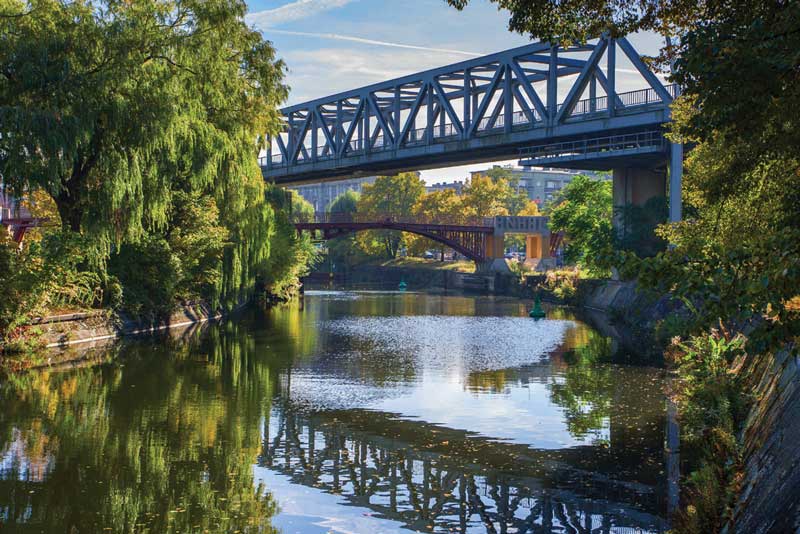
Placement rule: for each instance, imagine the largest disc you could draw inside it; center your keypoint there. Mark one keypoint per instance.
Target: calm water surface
(346, 413)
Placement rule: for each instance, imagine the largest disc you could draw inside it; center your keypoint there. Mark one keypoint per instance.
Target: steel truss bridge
(488, 108)
(466, 235)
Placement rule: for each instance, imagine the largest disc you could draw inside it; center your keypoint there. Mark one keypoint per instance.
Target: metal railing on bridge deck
(613, 143)
(625, 101)
(388, 218)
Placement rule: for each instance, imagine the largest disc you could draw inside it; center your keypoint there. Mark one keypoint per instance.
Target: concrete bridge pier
(634, 186)
(537, 243)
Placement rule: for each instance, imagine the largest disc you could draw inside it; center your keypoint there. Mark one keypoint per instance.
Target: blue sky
(335, 45)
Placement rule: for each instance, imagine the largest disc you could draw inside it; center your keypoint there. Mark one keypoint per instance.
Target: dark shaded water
(351, 413)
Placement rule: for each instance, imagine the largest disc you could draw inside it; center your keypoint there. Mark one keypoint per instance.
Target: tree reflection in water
(163, 441)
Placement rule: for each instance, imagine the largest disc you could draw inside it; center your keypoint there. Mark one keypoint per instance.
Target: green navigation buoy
(402, 285)
(537, 312)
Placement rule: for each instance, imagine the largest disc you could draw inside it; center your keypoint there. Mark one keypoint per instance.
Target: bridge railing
(366, 218)
(628, 100)
(649, 139)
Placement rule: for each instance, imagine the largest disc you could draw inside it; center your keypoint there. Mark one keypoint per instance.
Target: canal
(348, 412)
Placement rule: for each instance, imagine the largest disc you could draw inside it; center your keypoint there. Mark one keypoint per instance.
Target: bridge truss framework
(477, 110)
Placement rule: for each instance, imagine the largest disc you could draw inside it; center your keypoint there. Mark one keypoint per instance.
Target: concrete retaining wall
(769, 501)
(388, 278)
(78, 328)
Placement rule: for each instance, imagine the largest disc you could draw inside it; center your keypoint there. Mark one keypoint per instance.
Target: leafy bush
(748, 283)
(711, 406)
(62, 271)
(583, 212)
(562, 284)
(150, 275)
(290, 257)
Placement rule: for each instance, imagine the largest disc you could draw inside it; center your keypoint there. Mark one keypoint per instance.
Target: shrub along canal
(351, 412)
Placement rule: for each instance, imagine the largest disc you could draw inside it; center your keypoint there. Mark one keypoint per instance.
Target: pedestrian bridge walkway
(478, 238)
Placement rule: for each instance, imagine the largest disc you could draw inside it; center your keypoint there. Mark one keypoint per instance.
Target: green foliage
(672, 326)
(581, 20)
(707, 393)
(291, 257)
(105, 105)
(347, 202)
(388, 195)
(302, 210)
(149, 272)
(485, 197)
(62, 271)
(562, 283)
(344, 251)
(638, 226)
(142, 121)
(583, 213)
(444, 206)
(710, 405)
(197, 241)
(750, 285)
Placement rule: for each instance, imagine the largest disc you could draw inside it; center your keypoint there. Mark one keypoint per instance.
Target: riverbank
(68, 338)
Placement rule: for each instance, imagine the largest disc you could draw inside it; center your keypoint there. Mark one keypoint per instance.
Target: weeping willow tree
(121, 111)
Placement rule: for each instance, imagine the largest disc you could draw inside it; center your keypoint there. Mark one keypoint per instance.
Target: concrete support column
(675, 182)
(494, 246)
(635, 186)
(536, 248)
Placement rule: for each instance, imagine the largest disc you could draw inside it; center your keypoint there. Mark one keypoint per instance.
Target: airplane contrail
(340, 37)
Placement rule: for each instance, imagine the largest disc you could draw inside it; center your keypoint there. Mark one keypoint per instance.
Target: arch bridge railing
(324, 218)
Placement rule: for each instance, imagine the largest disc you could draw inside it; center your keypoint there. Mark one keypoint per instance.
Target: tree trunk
(69, 209)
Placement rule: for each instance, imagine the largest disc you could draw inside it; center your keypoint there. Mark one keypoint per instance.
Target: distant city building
(10, 207)
(457, 186)
(541, 184)
(321, 195)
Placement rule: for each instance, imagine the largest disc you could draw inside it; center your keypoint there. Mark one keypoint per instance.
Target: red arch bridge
(478, 238)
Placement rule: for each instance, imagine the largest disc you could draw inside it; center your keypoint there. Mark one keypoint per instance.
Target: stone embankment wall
(388, 278)
(633, 318)
(79, 337)
(77, 328)
(769, 498)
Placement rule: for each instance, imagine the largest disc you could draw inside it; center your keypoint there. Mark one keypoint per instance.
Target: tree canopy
(142, 121)
(112, 106)
(396, 195)
(485, 197)
(583, 213)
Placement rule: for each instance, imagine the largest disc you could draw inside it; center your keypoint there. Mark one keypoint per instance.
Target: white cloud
(361, 40)
(299, 9)
(316, 73)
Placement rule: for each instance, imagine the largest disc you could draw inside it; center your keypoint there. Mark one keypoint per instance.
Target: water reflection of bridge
(436, 479)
